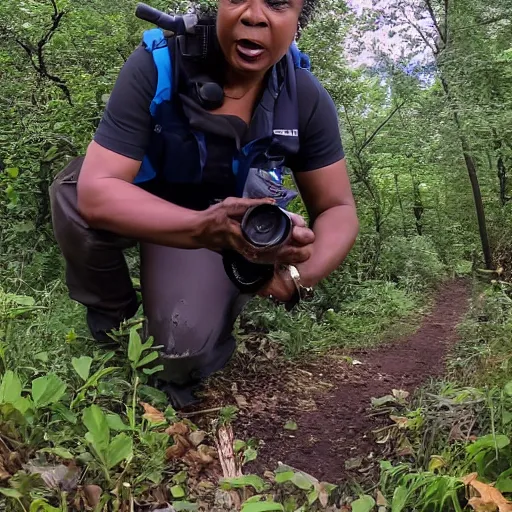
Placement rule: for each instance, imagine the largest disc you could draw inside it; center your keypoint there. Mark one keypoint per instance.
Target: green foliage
(413, 262)
(361, 317)
(457, 427)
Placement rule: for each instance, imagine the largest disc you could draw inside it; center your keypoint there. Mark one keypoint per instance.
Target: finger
(291, 255)
(297, 220)
(236, 207)
(242, 246)
(302, 236)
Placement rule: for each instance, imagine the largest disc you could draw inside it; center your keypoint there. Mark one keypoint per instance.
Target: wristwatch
(301, 292)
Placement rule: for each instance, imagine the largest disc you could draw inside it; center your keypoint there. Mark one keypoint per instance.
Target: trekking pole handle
(160, 19)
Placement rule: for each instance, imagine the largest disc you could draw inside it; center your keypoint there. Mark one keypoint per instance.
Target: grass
(367, 314)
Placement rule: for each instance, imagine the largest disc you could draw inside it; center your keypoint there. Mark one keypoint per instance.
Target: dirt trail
(330, 400)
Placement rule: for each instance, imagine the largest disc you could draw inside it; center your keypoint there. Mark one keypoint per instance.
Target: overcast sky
(360, 48)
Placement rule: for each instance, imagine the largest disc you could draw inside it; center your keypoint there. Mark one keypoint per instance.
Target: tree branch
(379, 128)
(434, 19)
(433, 47)
(55, 10)
(36, 54)
(482, 23)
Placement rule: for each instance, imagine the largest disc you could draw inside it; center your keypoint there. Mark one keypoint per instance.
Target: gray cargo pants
(189, 302)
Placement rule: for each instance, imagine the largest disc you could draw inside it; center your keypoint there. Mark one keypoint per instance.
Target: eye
(277, 4)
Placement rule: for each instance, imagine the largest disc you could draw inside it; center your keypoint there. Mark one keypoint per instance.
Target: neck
(234, 80)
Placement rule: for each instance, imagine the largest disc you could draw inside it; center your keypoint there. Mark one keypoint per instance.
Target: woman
(184, 225)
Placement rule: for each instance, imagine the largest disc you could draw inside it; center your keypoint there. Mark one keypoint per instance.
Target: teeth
(250, 52)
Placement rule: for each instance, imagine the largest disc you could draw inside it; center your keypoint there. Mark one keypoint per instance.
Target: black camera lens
(266, 225)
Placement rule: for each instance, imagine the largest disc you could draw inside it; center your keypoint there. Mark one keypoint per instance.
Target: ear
(298, 33)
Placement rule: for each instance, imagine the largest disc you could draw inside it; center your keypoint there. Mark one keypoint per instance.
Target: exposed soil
(330, 398)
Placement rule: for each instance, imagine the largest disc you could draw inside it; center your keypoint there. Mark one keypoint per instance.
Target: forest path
(330, 398)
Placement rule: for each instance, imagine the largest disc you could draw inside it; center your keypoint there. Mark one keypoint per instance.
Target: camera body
(264, 226)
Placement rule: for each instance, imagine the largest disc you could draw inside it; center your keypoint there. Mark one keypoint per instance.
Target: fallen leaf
(177, 428)
(182, 440)
(489, 496)
(177, 491)
(381, 500)
(56, 477)
(194, 457)
(378, 402)
(210, 451)
(354, 463)
(404, 448)
(401, 421)
(92, 494)
(203, 456)
(323, 495)
(480, 505)
(400, 394)
(291, 425)
(178, 449)
(151, 414)
(197, 437)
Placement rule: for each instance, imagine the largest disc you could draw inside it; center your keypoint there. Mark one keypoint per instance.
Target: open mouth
(248, 49)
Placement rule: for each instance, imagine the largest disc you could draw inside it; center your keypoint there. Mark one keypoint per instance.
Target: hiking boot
(180, 397)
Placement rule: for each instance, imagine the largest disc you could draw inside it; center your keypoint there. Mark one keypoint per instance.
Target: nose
(254, 15)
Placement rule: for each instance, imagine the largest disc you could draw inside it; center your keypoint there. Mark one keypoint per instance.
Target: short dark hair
(308, 11)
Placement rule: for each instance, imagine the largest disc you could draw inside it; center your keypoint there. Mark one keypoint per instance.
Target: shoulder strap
(156, 44)
(300, 59)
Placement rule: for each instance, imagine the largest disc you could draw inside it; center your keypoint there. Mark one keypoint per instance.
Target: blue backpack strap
(156, 44)
(300, 60)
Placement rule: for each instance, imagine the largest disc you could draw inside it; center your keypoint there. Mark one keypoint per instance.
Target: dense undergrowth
(77, 425)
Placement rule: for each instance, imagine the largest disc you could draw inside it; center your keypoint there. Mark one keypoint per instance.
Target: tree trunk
(401, 205)
(473, 178)
(418, 208)
(502, 169)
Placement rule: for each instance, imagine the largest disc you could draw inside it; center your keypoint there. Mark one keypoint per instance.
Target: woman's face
(255, 34)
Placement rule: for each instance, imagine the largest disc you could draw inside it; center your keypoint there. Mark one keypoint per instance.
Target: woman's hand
(281, 288)
(220, 226)
(300, 246)
(221, 230)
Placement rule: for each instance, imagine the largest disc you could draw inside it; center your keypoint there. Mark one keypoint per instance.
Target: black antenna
(176, 24)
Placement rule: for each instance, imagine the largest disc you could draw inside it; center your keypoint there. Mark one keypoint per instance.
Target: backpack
(156, 43)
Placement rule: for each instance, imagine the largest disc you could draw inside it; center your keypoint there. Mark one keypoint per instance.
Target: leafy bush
(360, 316)
(412, 262)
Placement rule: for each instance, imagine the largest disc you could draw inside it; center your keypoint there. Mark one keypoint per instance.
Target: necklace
(236, 97)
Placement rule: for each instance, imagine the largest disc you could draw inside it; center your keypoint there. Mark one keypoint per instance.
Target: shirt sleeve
(125, 127)
(319, 132)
